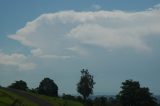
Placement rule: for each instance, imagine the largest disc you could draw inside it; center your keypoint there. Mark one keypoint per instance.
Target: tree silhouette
(21, 85)
(133, 95)
(48, 87)
(86, 83)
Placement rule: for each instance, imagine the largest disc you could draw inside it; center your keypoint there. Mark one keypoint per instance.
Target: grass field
(58, 101)
(8, 98)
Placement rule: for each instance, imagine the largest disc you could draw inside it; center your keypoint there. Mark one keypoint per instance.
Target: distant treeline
(131, 94)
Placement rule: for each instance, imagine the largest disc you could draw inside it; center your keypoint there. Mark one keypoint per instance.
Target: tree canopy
(21, 85)
(134, 95)
(86, 84)
(48, 87)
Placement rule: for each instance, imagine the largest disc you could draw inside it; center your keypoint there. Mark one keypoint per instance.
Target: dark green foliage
(21, 85)
(79, 98)
(100, 101)
(69, 97)
(104, 101)
(48, 87)
(88, 102)
(134, 95)
(86, 83)
(33, 90)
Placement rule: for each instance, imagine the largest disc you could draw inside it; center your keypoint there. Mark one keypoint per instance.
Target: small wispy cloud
(96, 7)
(39, 53)
(78, 50)
(15, 59)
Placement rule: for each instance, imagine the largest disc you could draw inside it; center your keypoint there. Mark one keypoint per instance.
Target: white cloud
(36, 52)
(39, 53)
(63, 34)
(107, 38)
(18, 60)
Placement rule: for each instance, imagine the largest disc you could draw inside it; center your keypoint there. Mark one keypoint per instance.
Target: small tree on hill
(48, 87)
(86, 83)
(133, 95)
(21, 85)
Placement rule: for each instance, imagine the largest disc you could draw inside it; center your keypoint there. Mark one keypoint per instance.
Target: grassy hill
(7, 98)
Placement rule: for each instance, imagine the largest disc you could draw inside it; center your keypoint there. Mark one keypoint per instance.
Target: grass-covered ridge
(8, 98)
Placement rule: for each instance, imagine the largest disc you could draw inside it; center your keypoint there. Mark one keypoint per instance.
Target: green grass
(7, 98)
(56, 101)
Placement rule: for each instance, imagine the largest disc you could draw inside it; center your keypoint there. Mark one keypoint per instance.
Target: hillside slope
(9, 96)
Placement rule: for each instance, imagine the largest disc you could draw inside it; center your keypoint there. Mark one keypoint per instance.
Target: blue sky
(114, 40)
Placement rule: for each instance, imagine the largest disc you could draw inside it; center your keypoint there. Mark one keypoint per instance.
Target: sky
(115, 40)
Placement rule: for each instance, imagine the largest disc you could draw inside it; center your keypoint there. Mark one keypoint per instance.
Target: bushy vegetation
(132, 94)
(21, 85)
(48, 87)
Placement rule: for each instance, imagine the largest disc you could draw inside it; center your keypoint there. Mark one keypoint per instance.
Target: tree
(134, 95)
(86, 83)
(48, 87)
(21, 85)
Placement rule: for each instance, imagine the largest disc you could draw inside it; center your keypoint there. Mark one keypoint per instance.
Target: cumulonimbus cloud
(55, 33)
